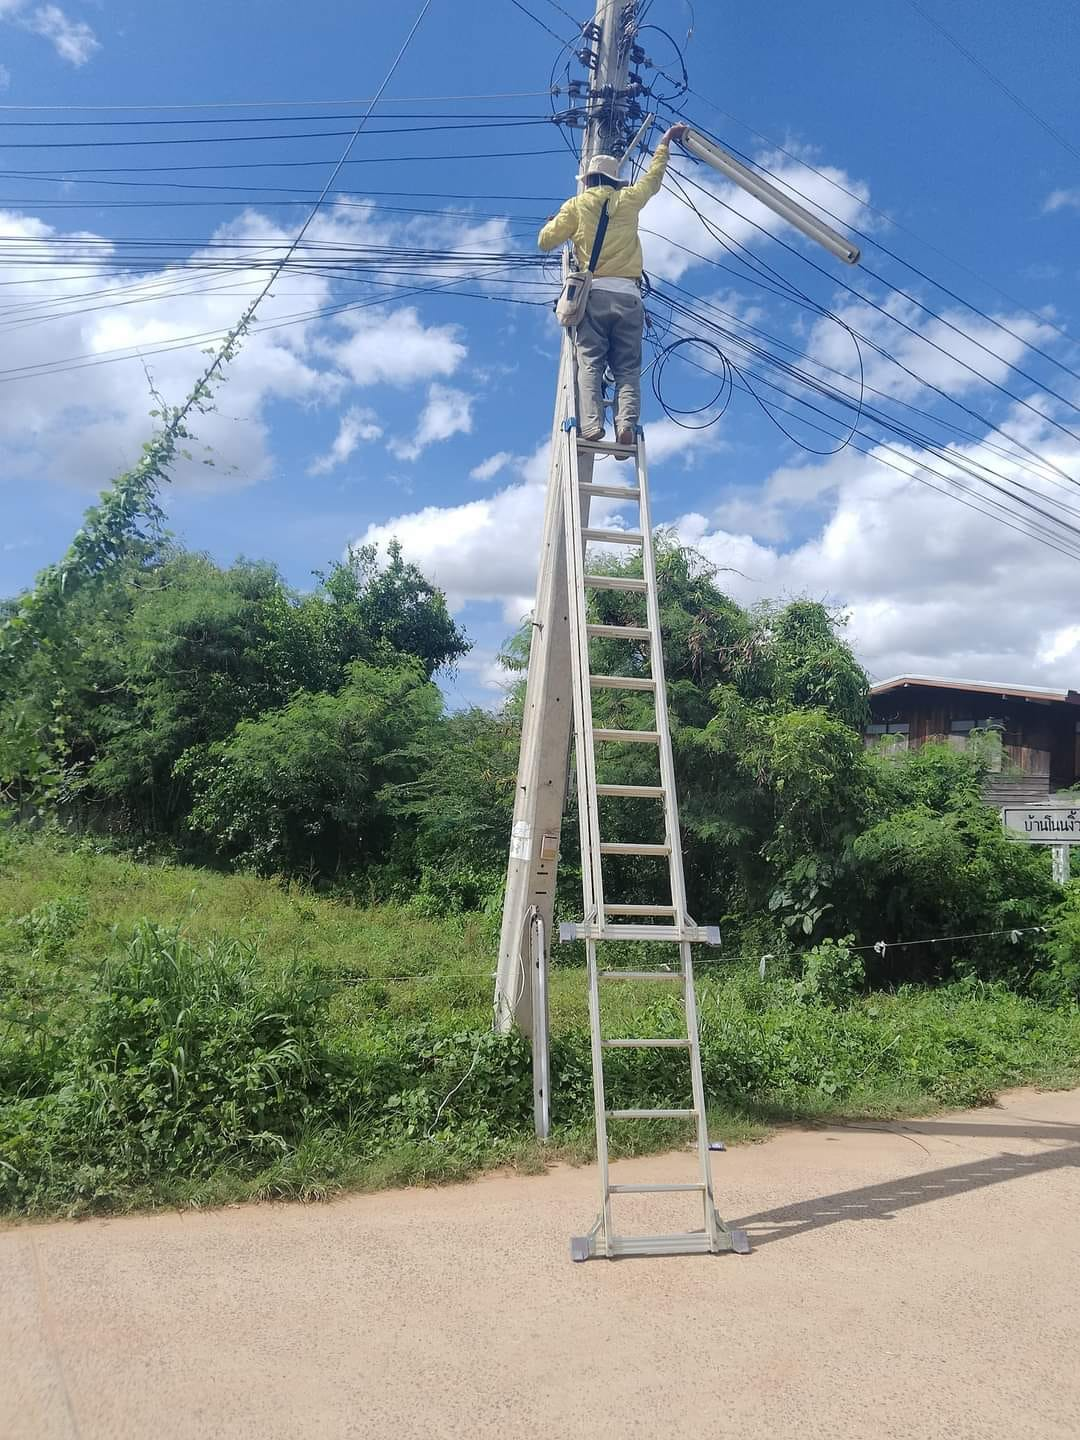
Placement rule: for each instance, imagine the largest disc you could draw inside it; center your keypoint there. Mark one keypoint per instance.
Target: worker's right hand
(676, 132)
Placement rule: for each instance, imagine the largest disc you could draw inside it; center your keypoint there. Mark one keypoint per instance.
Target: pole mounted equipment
(717, 158)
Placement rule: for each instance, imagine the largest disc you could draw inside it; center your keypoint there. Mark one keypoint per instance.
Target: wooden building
(1033, 734)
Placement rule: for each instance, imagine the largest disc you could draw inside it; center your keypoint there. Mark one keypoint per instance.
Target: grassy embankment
(175, 1036)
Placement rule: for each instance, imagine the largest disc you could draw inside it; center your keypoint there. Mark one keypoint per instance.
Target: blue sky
(426, 418)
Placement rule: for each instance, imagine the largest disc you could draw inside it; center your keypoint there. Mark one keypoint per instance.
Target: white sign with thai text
(1044, 824)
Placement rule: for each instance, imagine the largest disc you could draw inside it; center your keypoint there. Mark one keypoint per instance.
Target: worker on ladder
(609, 333)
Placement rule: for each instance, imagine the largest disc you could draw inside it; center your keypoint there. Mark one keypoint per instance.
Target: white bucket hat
(606, 165)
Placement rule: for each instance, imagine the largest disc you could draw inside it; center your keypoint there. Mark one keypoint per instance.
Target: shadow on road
(881, 1202)
(1035, 1130)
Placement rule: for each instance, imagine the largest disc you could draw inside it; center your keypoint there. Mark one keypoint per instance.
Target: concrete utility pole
(545, 738)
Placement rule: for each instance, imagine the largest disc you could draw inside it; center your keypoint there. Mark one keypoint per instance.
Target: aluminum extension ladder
(605, 921)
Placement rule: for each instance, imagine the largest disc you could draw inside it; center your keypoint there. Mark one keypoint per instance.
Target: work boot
(625, 436)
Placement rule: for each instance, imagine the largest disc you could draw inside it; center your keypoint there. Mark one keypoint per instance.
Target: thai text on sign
(1044, 824)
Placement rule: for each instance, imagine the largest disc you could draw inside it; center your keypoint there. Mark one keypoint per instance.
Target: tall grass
(251, 1039)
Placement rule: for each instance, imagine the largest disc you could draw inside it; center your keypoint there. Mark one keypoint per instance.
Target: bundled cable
(686, 416)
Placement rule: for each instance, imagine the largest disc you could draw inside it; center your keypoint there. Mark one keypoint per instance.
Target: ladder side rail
(588, 805)
(588, 809)
(678, 883)
(656, 662)
(599, 1099)
(697, 1086)
(539, 796)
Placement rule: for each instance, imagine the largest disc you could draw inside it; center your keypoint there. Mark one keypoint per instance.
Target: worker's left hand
(677, 132)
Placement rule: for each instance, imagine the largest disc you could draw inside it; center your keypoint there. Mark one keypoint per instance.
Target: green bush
(1061, 946)
(319, 785)
(189, 1073)
(48, 929)
(833, 973)
(920, 873)
(182, 1062)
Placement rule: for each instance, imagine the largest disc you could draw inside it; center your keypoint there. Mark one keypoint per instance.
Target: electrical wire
(1044, 530)
(265, 192)
(704, 308)
(562, 11)
(513, 123)
(868, 239)
(224, 350)
(681, 85)
(683, 416)
(983, 473)
(390, 122)
(865, 204)
(321, 264)
(193, 341)
(536, 20)
(66, 173)
(872, 344)
(1019, 101)
(286, 104)
(554, 92)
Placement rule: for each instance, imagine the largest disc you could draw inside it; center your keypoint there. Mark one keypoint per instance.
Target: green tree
(464, 808)
(320, 785)
(172, 651)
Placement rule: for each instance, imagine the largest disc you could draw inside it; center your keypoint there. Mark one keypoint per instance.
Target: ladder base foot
(581, 1247)
(595, 1245)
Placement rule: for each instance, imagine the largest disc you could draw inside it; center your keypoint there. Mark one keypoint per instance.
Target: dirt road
(916, 1282)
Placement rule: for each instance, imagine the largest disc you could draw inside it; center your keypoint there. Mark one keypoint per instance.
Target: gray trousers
(609, 335)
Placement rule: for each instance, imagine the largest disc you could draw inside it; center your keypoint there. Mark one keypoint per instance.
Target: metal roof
(983, 687)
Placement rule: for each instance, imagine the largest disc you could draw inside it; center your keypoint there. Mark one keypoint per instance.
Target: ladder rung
(651, 1114)
(621, 682)
(651, 1189)
(606, 447)
(612, 492)
(662, 934)
(618, 847)
(618, 632)
(639, 909)
(657, 1044)
(616, 582)
(614, 537)
(636, 792)
(629, 737)
(639, 975)
(694, 1242)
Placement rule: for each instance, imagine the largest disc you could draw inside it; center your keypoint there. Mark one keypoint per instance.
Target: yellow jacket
(579, 217)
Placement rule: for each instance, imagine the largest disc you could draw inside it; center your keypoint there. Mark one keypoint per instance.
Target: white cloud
(356, 426)
(481, 550)
(955, 353)
(84, 425)
(73, 40)
(447, 412)
(395, 348)
(492, 466)
(1061, 200)
(929, 586)
(665, 440)
(79, 426)
(487, 671)
(487, 549)
(1061, 645)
